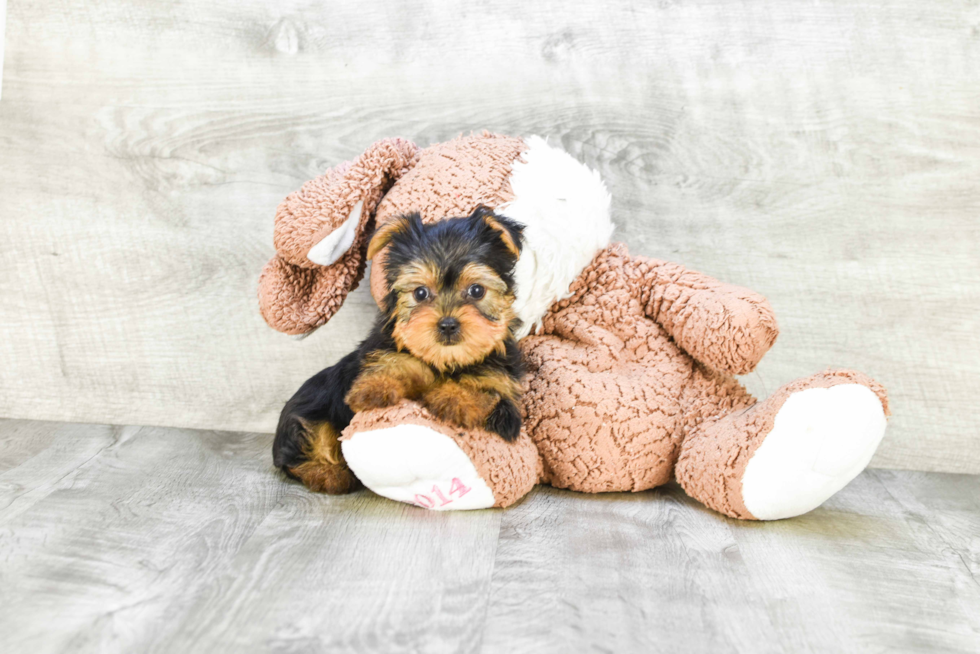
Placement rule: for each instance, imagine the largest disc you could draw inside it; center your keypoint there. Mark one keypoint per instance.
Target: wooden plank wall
(824, 153)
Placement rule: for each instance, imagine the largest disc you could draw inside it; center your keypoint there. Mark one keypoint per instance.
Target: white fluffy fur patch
(564, 206)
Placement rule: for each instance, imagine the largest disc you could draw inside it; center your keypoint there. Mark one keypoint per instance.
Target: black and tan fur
(445, 338)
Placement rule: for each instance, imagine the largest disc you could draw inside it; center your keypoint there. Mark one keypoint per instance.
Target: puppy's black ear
(509, 231)
(391, 229)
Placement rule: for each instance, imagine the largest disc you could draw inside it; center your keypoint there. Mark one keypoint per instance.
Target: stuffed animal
(631, 361)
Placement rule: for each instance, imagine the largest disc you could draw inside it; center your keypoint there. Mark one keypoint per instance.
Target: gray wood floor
(139, 539)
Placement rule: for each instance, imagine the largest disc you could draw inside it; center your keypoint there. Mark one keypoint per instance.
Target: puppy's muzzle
(448, 328)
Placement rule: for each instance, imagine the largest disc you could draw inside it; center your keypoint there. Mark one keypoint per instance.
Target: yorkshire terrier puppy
(445, 338)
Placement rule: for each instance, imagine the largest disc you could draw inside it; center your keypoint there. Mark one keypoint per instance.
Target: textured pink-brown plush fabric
(716, 452)
(509, 469)
(611, 393)
(726, 327)
(450, 179)
(296, 295)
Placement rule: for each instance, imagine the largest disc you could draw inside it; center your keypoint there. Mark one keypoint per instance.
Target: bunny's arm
(726, 327)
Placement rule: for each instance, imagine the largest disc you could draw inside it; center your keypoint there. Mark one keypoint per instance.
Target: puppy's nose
(448, 326)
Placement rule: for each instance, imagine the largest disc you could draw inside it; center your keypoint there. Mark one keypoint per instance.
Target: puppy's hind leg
(319, 464)
(306, 445)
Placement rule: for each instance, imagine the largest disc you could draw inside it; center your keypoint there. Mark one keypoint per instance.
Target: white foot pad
(821, 439)
(417, 465)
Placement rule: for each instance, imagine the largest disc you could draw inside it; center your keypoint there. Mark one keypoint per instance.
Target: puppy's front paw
(374, 392)
(505, 420)
(461, 406)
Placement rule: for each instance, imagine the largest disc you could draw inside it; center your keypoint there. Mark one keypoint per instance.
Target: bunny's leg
(786, 455)
(407, 455)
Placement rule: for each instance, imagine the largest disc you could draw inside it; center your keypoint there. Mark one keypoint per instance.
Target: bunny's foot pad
(417, 465)
(821, 439)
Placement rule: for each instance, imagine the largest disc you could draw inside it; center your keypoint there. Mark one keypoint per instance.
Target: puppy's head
(450, 285)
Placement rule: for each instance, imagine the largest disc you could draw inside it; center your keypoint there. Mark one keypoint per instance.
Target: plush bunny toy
(631, 361)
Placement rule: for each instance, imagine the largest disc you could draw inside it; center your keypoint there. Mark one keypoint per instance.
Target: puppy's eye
(476, 291)
(421, 294)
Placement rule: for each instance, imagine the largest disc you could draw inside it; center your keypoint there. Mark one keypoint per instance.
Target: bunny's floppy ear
(321, 234)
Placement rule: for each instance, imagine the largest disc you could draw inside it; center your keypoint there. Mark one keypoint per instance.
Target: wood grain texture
(872, 570)
(825, 154)
(138, 539)
(3, 32)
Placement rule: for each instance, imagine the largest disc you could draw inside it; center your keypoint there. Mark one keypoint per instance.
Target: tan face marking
(477, 273)
(415, 274)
